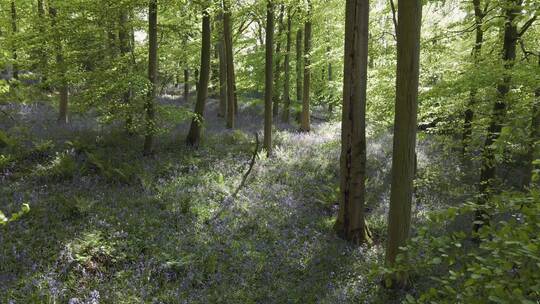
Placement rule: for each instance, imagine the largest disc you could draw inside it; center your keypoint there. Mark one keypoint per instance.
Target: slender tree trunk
(287, 72)
(534, 148)
(268, 86)
(42, 31)
(498, 115)
(299, 69)
(469, 113)
(14, 31)
(152, 75)
(305, 123)
(350, 223)
(124, 46)
(277, 74)
(63, 88)
(404, 156)
(194, 136)
(330, 78)
(222, 73)
(186, 85)
(231, 90)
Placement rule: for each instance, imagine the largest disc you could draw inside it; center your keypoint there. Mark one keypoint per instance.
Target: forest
(269, 151)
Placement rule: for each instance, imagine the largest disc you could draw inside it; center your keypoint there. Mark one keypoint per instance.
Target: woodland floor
(115, 227)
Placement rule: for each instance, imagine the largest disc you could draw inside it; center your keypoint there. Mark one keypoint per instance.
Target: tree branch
(526, 26)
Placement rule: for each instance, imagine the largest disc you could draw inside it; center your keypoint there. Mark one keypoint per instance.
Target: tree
(231, 87)
(152, 75)
(222, 71)
(277, 74)
(299, 56)
(479, 15)
(14, 30)
(350, 223)
(287, 72)
(305, 124)
(268, 88)
(512, 10)
(534, 145)
(62, 68)
(194, 136)
(405, 125)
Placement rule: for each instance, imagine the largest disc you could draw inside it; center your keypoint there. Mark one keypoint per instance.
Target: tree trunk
(14, 31)
(194, 136)
(287, 72)
(231, 90)
(186, 85)
(305, 123)
(277, 73)
(152, 75)
(498, 115)
(404, 156)
(125, 49)
(222, 74)
(330, 79)
(350, 223)
(268, 86)
(534, 148)
(299, 56)
(469, 113)
(43, 59)
(63, 88)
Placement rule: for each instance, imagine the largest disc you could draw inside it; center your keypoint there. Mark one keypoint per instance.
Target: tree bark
(534, 148)
(404, 156)
(498, 115)
(268, 86)
(186, 85)
(305, 123)
(152, 75)
(277, 74)
(350, 223)
(125, 49)
(222, 73)
(231, 90)
(330, 78)
(469, 112)
(42, 31)
(299, 69)
(287, 72)
(14, 30)
(63, 88)
(194, 136)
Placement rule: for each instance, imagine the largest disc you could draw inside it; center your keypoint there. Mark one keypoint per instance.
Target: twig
(7, 114)
(228, 200)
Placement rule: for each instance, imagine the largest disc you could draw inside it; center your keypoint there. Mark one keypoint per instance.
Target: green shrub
(503, 267)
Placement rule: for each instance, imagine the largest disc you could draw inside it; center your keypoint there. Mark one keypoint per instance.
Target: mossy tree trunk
(152, 75)
(287, 73)
(299, 61)
(269, 77)
(405, 126)
(14, 30)
(62, 69)
(229, 55)
(194, 136)
(305, 118)
(277, 74)
(350, 223)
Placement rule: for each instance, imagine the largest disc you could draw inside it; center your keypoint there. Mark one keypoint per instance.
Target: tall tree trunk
(152, 75)
(305, 123)
(63, 88)
(330, 78)
(287, 72)
(469, 113)
(194, 136)
(42, 31)
(534, 148)
(124, 46)
(231, 90)
(268, 85)
(14, 31)
(186, 85)
(222, 73)
(277, 73)
(350, 223)
(405, 125)
(299, 58)
(498, 115)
